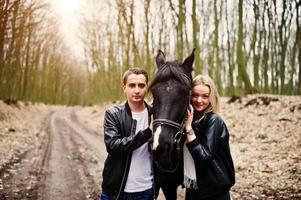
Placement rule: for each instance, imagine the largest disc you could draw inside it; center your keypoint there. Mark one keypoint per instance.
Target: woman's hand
(190, 136)
(189, 118)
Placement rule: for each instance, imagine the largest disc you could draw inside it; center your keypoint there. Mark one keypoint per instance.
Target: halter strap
(178, 137)
(168, 122)
(180, 127)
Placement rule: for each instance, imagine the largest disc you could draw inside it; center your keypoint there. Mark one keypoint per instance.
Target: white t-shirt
(140, 176)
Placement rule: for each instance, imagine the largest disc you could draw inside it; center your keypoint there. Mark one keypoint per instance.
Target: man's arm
(118, 144)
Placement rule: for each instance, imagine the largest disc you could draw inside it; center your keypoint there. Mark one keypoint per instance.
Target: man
(127, 172)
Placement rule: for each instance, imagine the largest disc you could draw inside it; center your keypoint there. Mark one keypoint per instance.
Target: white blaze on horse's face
(156, 137)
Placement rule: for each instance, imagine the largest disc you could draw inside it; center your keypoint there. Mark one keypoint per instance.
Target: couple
(128, 169)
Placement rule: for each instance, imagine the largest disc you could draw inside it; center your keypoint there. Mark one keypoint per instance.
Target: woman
(208, 165)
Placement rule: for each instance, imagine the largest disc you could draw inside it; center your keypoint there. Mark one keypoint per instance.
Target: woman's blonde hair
(214, 98)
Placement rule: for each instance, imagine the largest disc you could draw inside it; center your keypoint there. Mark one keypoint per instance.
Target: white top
(140, 176)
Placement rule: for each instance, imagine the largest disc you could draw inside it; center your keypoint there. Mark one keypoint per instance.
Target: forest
(251, 46)
(55, 87)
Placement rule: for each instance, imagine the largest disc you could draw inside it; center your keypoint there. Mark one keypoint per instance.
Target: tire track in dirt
(19, 178)
(61, 179)
(93, 142)
(16, 184)
(71, 168)
(91, 150)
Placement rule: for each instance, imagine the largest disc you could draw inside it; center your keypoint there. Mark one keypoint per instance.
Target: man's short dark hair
(134, 70)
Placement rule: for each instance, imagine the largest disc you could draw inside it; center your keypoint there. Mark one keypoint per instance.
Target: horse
(171, 90)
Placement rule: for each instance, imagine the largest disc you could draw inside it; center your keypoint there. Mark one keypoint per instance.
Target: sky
(68, 13)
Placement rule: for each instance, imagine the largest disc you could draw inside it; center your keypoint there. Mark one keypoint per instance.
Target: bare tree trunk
(274, 52)
(217, 63)
(239, 52)
(230, 56)
(12, 57)
(135, 51)
(121, 39)
(127, 41)
(195, 37)
(284, 34)
(265, 53)
(180, 28)
(256, 51)
(148, 63)
(283, 45)
(27, 66)
(298, 44)
(4, 13)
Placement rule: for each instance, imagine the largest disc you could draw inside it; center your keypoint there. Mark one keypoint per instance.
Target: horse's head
(171, 89)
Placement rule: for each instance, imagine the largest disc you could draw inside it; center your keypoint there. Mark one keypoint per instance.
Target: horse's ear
(160, 58)
(189, 61)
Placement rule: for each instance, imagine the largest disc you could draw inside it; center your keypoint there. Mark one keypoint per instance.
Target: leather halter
(180, 127)
(178, 137)
(171, 123)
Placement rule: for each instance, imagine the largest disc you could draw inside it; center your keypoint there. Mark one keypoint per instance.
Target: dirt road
(57, 152)
(65, 165)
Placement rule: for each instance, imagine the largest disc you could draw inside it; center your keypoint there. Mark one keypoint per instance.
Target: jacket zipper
(127, 165)
(123, 178)
(150, 118)
(154, 183)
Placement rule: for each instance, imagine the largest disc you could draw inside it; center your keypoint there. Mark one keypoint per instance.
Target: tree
(241, 62)
(298, 44)
(216, 53)
(195, 37)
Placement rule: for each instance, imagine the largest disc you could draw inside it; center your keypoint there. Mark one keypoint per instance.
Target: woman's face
(200, 97)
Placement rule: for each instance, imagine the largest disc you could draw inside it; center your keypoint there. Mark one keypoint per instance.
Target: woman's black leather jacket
(120, 140)
(211, 154)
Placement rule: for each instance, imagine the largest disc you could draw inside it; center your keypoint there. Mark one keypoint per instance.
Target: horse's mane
(172, 70)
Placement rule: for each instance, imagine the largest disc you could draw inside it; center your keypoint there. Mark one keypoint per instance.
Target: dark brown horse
(171, 90)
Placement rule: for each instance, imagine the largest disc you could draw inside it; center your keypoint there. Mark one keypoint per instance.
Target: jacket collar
(128, 109)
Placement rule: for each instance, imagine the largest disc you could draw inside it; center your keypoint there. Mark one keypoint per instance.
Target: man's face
(135, 88)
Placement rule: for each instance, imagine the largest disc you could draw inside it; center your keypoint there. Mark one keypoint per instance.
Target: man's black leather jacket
(120, 140)
(211, 154)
